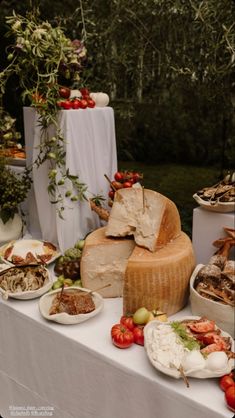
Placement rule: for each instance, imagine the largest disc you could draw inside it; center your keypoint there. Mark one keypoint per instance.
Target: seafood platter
(219, 197)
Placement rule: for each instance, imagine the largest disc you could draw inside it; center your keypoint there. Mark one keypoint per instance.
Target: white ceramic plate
(222, 314)
(216, 207)
(173, 372)
(45, 303)
(4, 265)
(29, 294)
(23, 246)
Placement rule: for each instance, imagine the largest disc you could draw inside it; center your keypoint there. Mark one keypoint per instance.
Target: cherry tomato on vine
(90, 102)
(64, 92)
(76, 104)
(111, 194)
(67, 104)
(84, 92)
(83, 104)
(118, 176)
(127, 184)
(122, 337)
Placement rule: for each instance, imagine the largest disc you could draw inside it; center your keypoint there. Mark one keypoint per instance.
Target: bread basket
(223, 315)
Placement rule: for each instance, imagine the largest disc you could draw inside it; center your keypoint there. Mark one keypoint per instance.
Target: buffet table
(90, 153)
(74, 371)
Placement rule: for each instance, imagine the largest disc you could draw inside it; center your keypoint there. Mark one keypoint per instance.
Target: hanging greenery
(39, 56)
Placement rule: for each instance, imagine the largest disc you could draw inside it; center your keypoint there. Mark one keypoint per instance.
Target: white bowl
(29, 294)
(45, 303)
(215, 207)
(173, 372)
(223, 315)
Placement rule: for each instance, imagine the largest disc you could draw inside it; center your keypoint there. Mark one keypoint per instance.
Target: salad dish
(193, 347)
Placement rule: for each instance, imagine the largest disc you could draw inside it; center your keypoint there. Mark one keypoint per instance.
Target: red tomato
(136, 177)
(226, 381)
(138, 333)
(111, 194)
(64, 92)
(230, 397)
(122, 337)
(83, 104)
(127, 321)
(127, 184)
(59, 103)
(118, 176)
(90, 102)
(84, 92)
(66, 104)
(76, 104)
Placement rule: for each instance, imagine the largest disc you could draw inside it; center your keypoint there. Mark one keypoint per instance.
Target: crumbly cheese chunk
(165, 347)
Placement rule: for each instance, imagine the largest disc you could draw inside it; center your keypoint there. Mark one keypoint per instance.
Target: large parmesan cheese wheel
(104, 261)
(150, 217)
(159, 280)
(154, 280)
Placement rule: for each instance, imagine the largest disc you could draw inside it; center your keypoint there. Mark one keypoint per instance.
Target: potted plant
(14, 189)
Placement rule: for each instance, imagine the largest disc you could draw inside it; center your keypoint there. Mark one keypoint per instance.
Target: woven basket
(159, 280)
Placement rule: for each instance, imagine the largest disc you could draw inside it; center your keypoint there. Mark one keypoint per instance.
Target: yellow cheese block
(156, 280)
(159, 280)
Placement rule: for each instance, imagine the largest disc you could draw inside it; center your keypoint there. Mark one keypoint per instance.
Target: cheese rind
(104, 261)
(154, 280)
(150, 217)
(159, 280)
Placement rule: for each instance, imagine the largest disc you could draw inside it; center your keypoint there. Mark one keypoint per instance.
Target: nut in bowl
(70, 305)
(181, 348)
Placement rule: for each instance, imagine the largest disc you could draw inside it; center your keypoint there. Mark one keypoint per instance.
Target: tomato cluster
(123, 179)
(75, 103)
(131, 328)
(127, 332)
(227, 384)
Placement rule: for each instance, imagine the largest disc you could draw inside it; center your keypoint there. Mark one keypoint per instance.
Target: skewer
(111, 185)
(214, 295)
(182, 374)
(143, 199)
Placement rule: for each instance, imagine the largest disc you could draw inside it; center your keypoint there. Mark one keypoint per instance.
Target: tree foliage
(168, 65)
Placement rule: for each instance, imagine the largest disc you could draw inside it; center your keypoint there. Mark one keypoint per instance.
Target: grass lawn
(177, 182)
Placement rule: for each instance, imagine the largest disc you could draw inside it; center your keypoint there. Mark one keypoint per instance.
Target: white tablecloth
(77, 372)
(90, 153)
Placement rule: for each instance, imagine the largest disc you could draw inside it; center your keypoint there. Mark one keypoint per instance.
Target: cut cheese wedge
(150, 217)
(104, 261)
(156, 280)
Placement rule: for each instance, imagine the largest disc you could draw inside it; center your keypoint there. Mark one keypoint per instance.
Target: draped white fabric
(90, 153)
(77, 371)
